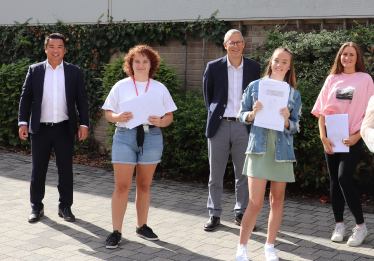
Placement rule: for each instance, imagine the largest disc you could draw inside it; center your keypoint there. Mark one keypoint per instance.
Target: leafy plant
(90, 47)
(11, 81)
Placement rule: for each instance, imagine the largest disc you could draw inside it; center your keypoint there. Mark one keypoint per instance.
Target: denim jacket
(284, 151)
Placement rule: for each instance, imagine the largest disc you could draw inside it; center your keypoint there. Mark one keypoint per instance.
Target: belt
(140, 136)
(53, 123)
(230, 118)
(149, 126)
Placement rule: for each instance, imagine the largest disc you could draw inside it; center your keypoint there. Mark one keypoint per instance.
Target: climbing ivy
(90, 46)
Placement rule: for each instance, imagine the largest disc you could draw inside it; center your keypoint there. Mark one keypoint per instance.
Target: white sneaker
(338, 234)
(270, 254)
(241, 253)
(357, 237)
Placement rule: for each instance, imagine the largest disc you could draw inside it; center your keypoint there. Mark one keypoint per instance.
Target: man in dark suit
(54, 89)
(224, 82)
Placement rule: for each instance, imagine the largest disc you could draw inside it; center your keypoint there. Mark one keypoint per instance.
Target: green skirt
(264, 166)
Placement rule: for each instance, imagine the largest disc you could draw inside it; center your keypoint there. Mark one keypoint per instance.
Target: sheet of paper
(143, 106)
(274, 96)
(337, 129)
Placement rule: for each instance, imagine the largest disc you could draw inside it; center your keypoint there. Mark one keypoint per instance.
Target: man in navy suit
(55, 90)
(224, 82)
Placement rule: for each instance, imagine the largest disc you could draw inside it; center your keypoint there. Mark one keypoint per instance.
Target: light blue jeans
(126, 151)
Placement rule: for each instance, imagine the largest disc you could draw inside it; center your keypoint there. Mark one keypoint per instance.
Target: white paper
(337, 130)
(274, 96)
(143, 106)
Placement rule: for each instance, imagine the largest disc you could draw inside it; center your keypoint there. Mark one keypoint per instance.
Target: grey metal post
(203, 55)
(185, 64)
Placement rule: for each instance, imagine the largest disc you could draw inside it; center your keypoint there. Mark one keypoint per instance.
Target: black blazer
(32, 94)
(215, 86)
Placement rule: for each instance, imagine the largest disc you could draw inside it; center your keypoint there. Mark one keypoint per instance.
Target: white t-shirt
(124, 90)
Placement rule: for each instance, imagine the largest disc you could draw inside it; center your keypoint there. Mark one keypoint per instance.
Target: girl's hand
(124, 116)
(285, 113)
(256, 107)
(352, 140)
(327, 143)
(157, 121)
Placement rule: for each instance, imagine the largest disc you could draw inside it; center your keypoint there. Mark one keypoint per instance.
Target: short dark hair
(54, 36)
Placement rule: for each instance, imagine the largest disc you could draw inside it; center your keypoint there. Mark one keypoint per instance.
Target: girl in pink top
(347, 90)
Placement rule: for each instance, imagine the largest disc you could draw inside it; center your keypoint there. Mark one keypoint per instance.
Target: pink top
(345, 93)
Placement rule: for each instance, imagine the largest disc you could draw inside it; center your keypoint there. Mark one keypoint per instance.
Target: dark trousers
(59, 138)
(341, 167)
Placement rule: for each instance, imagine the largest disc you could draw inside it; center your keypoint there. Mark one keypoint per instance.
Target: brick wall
(174, 52)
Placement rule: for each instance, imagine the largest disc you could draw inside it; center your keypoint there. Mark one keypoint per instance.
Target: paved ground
(177, 215)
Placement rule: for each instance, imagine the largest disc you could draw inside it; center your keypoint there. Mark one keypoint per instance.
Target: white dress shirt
(235, 89)
(54, 108)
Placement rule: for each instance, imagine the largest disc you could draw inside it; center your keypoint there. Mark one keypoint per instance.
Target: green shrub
(12, 77)
(90, 47)
(185, 150)
(314, 52)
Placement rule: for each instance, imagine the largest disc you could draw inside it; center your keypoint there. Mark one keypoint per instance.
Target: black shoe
(212, 223)
(113, 240)
(36, 215)
(146, 232)
(238, 221)
(66, 214)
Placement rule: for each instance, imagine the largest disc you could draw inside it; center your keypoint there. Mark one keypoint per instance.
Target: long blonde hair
(290, 77)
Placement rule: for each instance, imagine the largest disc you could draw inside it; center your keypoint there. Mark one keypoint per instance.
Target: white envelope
(143, 106)
(337, 129)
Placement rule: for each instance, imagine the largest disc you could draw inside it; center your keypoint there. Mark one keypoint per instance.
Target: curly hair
(144, 50)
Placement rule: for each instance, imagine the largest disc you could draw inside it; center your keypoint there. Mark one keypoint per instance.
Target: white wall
(89, 11)
(48, 11)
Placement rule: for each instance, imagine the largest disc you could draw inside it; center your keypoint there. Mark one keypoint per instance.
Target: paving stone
(177, 215)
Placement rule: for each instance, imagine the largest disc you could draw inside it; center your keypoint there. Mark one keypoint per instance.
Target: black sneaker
(146, 232)
(113, 240)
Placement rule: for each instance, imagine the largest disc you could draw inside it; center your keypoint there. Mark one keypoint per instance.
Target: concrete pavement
(177, 215)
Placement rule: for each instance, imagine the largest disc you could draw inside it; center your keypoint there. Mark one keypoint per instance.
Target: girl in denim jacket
(270, 153)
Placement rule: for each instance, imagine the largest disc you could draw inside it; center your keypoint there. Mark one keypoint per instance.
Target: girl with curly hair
(140, 147)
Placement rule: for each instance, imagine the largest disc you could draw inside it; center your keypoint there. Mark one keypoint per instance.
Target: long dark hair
(290, 77)
(337, 67)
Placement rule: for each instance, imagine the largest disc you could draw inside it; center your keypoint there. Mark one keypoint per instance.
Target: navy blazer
(32, 95)
(215, 86)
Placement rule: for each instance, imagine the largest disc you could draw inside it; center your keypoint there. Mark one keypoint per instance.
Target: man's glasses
(232, 44)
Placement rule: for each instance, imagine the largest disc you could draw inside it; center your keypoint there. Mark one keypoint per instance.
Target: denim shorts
(126, 151)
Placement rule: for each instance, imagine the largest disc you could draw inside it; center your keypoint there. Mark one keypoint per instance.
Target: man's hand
(23, 132)
(82, 133)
